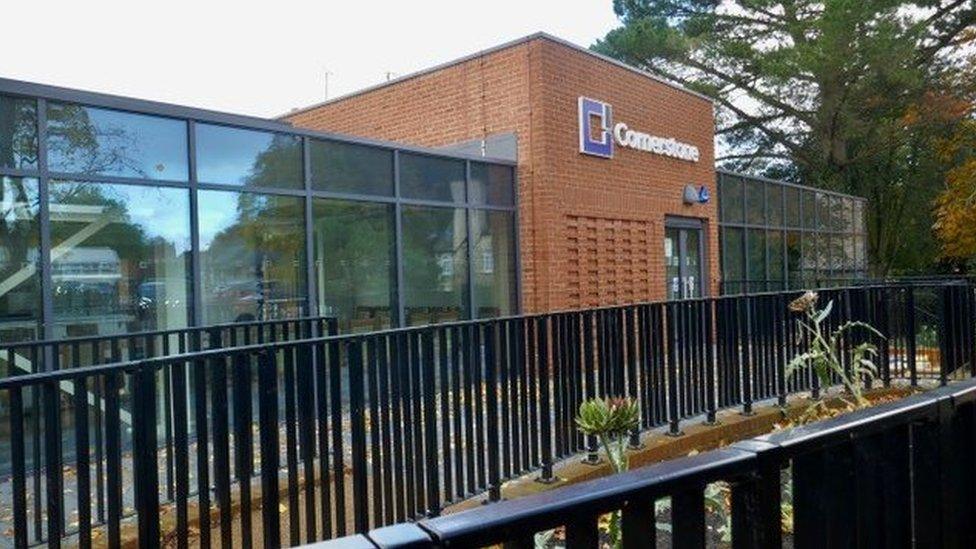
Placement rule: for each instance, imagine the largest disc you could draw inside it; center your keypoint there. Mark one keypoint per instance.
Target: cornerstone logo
(595, 122)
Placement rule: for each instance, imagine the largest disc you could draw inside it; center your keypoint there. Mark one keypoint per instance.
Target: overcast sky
(264, 58)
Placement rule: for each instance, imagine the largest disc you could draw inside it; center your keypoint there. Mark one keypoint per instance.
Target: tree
(829, 93)
(956, 206)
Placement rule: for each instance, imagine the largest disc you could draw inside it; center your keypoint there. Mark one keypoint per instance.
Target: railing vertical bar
(219, 414)
(268, 418)
(243, 440)
(429, 390)
(291, 442)
(375, 421)
(357, 420)
(113, 457)
(18, 467)
(322, 417)
(82, 461)
(338, 444)
(181, 443)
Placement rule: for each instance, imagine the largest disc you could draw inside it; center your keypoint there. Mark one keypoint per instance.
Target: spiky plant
(611, 421)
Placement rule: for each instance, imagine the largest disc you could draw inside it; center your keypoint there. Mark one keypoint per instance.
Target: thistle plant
(826, 351)
(611, 421)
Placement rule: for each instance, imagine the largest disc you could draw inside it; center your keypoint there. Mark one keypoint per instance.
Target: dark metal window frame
(192, 116)
(832, 270)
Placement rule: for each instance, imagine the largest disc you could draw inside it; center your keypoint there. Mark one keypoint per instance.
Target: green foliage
(850, 96)
(611, 421)
(827, 351)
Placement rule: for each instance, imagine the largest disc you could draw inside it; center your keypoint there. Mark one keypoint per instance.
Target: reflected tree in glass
(354, 263)
(435, 265)
(20, 302)
(120, 257)
(252, 256)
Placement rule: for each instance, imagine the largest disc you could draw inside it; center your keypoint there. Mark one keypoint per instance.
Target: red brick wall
(591, 230)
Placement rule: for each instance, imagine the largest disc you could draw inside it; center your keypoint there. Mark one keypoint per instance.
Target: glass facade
(119, 216)
(779, 236)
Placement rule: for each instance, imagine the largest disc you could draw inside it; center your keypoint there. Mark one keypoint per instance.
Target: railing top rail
(193, 356)
(156, 333)
(510, 518)
(513, 518)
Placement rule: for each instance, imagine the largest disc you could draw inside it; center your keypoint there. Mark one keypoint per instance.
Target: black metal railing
(331, 435)
(897, 475)
(32, 356)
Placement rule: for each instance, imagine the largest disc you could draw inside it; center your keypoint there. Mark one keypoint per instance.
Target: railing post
(593, 448)
(357, 420)
(545, 411)
(911, 336)
(711, 406)
(674, 428)
(491, 396)
(144, 455)
(756, 501)
(688, 518)
(54, 479)
(268, 418)
(748, 352)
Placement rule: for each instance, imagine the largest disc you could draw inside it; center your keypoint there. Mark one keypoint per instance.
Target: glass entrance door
(683, 253)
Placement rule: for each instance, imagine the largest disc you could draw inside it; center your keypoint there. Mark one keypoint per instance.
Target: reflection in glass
(809, 210)
(774, 252)
(755, 207)
(86, 140)
(354, 263)
(493, 263)
(774, 205)
(756, 259)
(792, 206)
(350, 168)
(794, 265)
(431, 178)
(20, 300)
(250, 158)
(435, 266)
(18, 133)
(731, 199)
(491, 184)
(733, 260)
(252, 256)
(120, 258)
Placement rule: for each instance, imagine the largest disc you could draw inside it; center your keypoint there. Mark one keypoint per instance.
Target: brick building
(623, 217)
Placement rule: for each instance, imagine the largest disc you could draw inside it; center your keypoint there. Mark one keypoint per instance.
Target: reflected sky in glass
(87, 140)
(235, 156)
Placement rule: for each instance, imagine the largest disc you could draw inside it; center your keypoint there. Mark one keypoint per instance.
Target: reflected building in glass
(120, 216)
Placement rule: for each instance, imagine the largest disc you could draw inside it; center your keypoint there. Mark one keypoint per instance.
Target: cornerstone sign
(597, 134)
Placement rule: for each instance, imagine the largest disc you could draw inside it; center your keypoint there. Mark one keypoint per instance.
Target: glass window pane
(20, 298)
(755, 207)
(859, 212)
(756, 258)
(792, 206)
(825, 212)
(351, 168)
(431, 178)
(774, 205)
(252, 256)
(354, 265)
(234, 156)
(774, 252)
(86, 140)
(860, 253)
(491, 184)
(731, 199)
(847, 217)
(733, 260)
(435, 265)
(809, 210)
(18, 133)
(120, 258)
(794, 246)
(493, 263)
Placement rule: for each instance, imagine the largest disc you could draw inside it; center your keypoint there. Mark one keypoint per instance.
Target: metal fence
(897, 475)
(331, 435)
